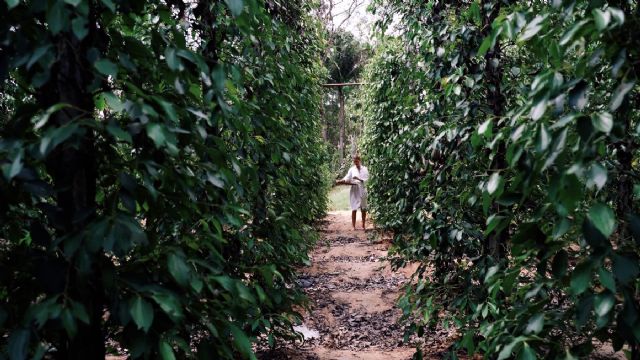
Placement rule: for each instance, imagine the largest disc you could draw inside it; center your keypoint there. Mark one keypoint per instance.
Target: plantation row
(153, 155)
(503, 141)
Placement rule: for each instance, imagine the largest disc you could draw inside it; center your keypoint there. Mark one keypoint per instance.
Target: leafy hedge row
(153, 157)
(503, 136)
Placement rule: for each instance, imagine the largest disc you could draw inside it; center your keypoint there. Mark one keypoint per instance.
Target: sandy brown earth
(352, 291)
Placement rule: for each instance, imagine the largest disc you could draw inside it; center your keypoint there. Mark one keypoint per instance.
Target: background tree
(344, 61)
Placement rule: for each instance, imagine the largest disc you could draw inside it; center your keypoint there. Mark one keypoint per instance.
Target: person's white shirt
(358, 193)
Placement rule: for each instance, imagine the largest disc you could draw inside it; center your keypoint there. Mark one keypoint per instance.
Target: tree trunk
(210, 32)
(495, 243)
(323, 118)
(72, 166)
(341, 122)
(354, 146)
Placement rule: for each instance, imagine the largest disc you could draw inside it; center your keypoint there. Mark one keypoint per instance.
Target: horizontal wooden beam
(343, 84)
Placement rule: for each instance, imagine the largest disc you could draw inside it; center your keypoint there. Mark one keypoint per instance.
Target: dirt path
(352, 292)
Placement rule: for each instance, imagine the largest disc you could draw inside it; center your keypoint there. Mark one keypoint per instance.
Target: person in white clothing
(356, 177)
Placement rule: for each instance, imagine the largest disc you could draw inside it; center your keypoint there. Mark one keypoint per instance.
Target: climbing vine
(503, 138)
(152, 157)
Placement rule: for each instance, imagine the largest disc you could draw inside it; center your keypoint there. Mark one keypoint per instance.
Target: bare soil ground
(352, 292)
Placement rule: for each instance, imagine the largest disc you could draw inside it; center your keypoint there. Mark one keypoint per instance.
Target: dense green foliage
(502, 137)
(153, 155)
(346, 57)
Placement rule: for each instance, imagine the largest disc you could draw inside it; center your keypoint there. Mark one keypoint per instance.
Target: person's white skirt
(358, 196)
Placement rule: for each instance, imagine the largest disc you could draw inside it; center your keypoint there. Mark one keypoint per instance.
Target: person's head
(356, 160)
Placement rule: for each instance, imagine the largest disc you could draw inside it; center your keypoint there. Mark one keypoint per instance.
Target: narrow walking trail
(352, 293)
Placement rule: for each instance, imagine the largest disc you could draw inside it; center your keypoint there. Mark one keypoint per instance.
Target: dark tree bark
(495, 244)
(323, 117)
(341, 123)
(72, 166)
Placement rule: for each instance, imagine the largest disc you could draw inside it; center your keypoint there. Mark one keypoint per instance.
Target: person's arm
(346, 179)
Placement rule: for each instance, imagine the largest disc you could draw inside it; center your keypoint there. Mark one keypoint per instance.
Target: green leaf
(603, 122)
(527, 353)
(625, 268)
(242, 342)
(601, 18)
(56, 136)
(157, 133)
(495, 222)
(69, 322)
(166, 351)
(538, 110)
(141, 312)
(486, 45)
(543, 140)
(56, 17)
(80, 312)
(109, 4)
(468, 343)
(178, 269)
(73, 3)
(491, 272)
(169, 110)
(535, 324)
(603, 303)
(172, 59)
(593, 236)
(493, 183)
(616, 14)
(79, 27)
(583, 309)
(42, 120)
(532, 28)
(571, 33)
(15, 168)
(603, 218)
(106, 67)
(569, 356)
(18, 344)
(113, 101)
(597, 176)
(507, 350)
(485, 128)
(236, 6)
(561, 228)
(557, 147)
(580, 278)
(606, 279)
(37, 54)
(619, 94)
(119, 134)
(12, 3)
(169, 303)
